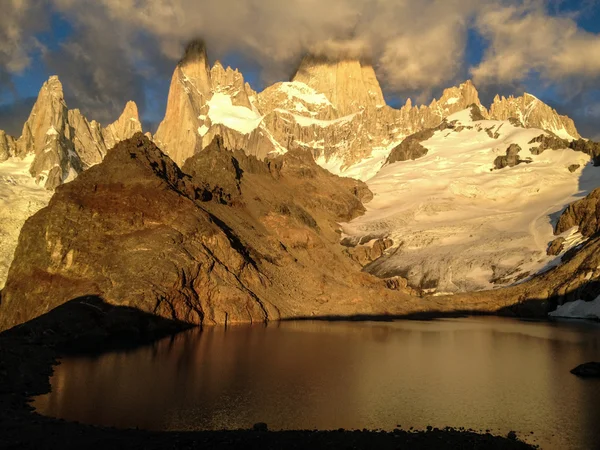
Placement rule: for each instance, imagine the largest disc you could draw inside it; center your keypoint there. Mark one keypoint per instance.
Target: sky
(107, 52)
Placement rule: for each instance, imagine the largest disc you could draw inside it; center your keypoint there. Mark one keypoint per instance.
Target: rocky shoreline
(28, 353)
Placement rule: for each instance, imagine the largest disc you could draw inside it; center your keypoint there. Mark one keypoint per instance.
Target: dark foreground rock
(28, 352)
(587, 370)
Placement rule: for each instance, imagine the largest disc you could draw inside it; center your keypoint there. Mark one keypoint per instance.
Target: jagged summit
(124, 127)
(532, 112)
(63, 141)
(459, 97)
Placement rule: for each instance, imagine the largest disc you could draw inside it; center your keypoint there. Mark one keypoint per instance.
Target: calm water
(484, 373)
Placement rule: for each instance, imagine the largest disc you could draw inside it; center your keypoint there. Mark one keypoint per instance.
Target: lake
(484, 373)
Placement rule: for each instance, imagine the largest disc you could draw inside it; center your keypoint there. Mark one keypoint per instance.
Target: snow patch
(238, 118)
(301, 91)
(578, 309)
(52, 131)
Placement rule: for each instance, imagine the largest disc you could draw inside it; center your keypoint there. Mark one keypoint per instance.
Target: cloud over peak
(119, 48)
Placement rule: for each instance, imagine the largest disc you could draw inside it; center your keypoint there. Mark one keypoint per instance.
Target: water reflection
(484, 373)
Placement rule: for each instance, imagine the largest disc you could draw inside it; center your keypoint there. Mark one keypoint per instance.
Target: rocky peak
(190, 89)
(532, 112)
(193, 69)
(350, 84)
(46, 120)
(63, 141)
(231, 82)
(124, 127)
(457, 98)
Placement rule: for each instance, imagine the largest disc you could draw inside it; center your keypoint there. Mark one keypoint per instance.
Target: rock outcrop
(411, 147)
(511, 159)
(584, 214)
(7, 146)
(556, 247)
(553, 142)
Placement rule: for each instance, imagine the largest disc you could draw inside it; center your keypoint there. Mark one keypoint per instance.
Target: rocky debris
(401, 284)
(532, 113)
(587, 370)
(367, 252)
(547, 142)
(7, 146)
(573, 168)
(556, 247)
(411, 147)
(511, 158)
(584, 214)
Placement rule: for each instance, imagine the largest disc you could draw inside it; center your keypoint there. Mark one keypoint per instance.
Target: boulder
(587, 370)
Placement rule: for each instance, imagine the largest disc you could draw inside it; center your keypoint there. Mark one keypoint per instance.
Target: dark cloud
(14, 115)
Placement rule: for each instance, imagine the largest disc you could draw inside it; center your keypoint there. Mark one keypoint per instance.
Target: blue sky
(149, 85)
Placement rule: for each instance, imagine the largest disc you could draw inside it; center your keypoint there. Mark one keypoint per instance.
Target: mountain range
(313, 197)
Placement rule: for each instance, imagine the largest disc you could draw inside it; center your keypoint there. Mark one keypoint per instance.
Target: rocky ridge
(332, 107)
(531, 112)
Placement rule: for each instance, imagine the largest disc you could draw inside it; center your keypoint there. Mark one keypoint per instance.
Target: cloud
(118, 49)
(525, 39)
(14, 115)
(19, 21)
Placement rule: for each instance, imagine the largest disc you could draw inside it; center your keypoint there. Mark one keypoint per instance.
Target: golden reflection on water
(484, 373)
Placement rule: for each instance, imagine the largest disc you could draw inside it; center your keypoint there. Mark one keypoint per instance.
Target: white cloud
(118, 46)
(525, 39)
